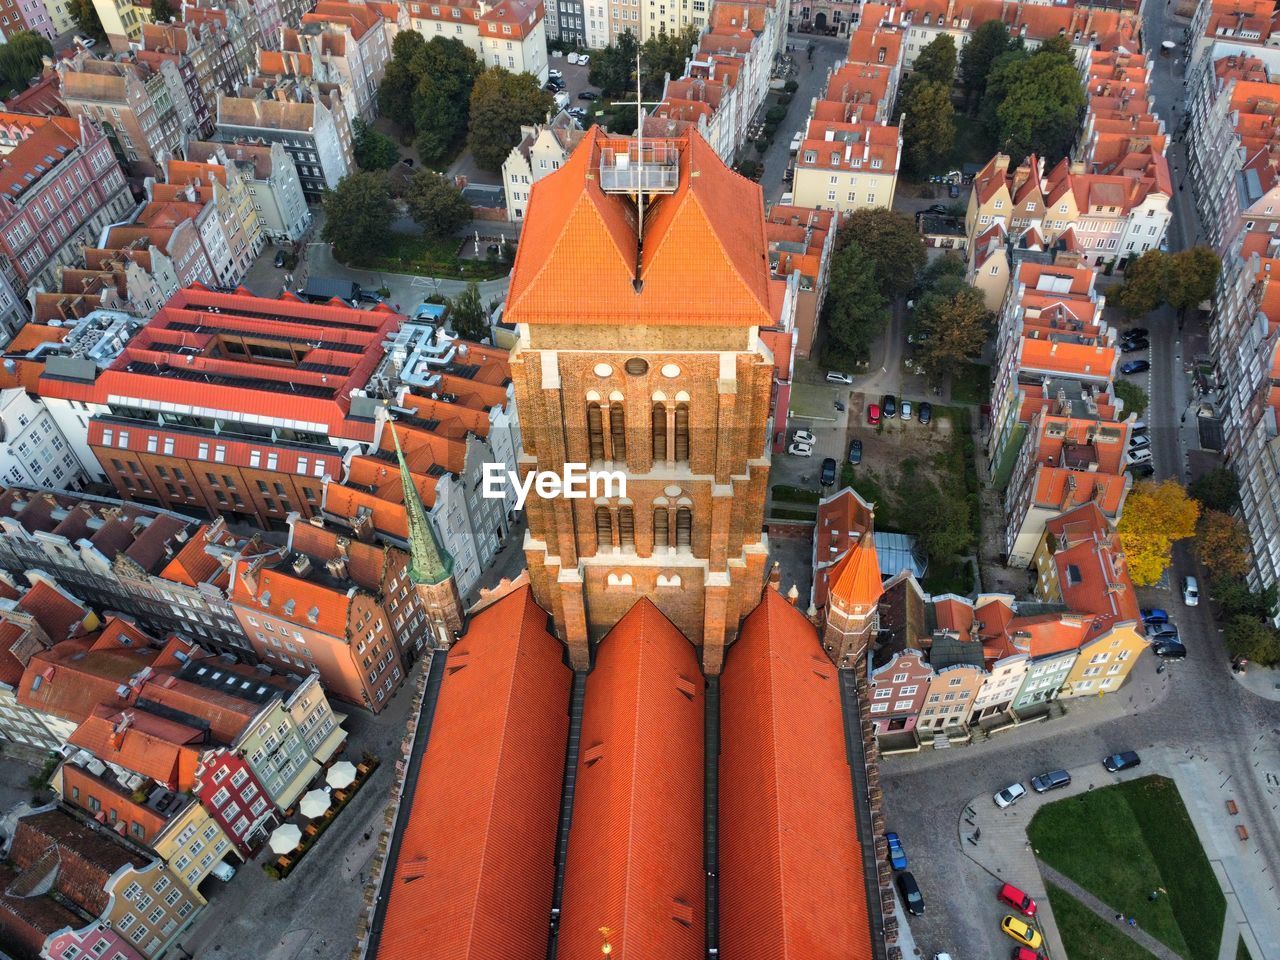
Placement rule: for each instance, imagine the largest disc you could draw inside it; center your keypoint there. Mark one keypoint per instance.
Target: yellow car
(1022, 931)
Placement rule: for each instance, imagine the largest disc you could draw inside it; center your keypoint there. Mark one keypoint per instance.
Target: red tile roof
(58, 614)
(635, 848)
(75, 676)
(704, 259)
(475, 871)
(164, 750)
(791, 870)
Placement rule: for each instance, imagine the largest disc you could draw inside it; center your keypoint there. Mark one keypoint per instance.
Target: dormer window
(876, 164)
(289, 605)
(265, 599)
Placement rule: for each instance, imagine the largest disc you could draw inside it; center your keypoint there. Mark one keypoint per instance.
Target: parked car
(584, 59)
(1139, 443)
(1162, 628)
(834, 377)
(1135, 366)
(1170, 650)
(840, 405)
(939, 208)
(1053, 780)
(1154, 615)
(223, 871)
(1140, 456)
(804, 436)
(855, 452)
(1142, 469)
(578, 114)
(873, 414)
(897, 856)
(889, 404)
(1022, 931)
(1190, 591)
(1134, 333)
(1121, 761)
(911, 895)
(1133, 346)
(828, 477)
(1026, 953)
(953, 191)
(280, 258)
(1139, 426)
(906, 409)
(368, 296)
(86, 42)
(555, 74)
(1010, 795)
(553, 86)
(588, 95)
(800, 450)
(925, 413)
(1017, 899)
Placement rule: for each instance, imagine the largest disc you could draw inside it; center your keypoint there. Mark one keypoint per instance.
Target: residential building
(850, 154)
(508, 33)
(61, 15)
(135, 278)
(236, 232)
(43, 98)
(33, 451)
(271, 179)
(243, 809)
(801, 241)
(32, 621)
(1246, 23)
(134, 104)
(194, 112)
(59, 188)
(232, 454)
(165, 570)
(1233, 147)
(42, 925)
(107, 878)
(899, 686)
(566, 22)
(16, 15)
(122, 21)
(846, 576)
(542, 149)
(310, 121)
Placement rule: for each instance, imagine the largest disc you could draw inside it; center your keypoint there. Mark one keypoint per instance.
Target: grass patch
(867, 484)
(1123, 842)
(410, 253)
(788, 494)
(1086, 935)
(953, 577)
(971, 383)
(1242, 952)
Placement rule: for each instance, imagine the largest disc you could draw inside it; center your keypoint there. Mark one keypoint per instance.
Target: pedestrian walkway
(1109, 914)
(1260, 681)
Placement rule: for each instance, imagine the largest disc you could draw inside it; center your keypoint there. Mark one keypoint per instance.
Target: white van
(572, 58)
(1190, 592)
(562, 101)
(223, 871)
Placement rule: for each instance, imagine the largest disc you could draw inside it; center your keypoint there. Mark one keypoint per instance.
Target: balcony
(640, 167)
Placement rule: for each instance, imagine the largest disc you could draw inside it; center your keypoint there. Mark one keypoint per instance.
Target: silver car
(1010, 795)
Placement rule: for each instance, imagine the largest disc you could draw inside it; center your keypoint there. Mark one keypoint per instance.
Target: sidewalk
(1261, 681)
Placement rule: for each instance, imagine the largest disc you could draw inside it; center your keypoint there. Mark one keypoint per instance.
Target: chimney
(793, 595)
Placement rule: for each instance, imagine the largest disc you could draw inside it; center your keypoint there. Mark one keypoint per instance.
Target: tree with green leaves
(853, 313)
(447, 71)
(22, 57)
(986, 44)
(1032, 103)
(373, 150)
(1222, 544)
(86, 18)
(950, 329)
(1134, 397)
(664, 53)
(1237, 600)
(1195, 272)
(501, 102)
(941, 269)
(1146, 283)
(467, 315)
(890, 241)
(357, 214)
(436, 205)
(162, 11)
(613, 69)
(1249, 638)
(936, 63)
(928, 124)
(940, 522)
(1218, 489)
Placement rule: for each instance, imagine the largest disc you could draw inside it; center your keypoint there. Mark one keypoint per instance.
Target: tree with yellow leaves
(1156, 515)
(1223, 544)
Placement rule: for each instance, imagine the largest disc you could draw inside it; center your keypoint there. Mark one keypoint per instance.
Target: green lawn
(1123, 842)
(410, 253)
(1086, 935)
(955, 577)
(971, 383)
(1242, 952)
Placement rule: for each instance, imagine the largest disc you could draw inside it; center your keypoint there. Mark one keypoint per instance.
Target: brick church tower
(640, 285)
(430, 566)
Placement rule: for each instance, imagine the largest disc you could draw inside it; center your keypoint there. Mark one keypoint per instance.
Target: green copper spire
(428, 561)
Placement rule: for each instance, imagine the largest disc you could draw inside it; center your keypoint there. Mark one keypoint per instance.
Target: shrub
(791, 86)
(762, 145)
(775, 114)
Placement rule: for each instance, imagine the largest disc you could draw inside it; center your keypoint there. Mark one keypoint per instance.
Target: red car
(1017, 899)
(873, 413)
(1026, 953)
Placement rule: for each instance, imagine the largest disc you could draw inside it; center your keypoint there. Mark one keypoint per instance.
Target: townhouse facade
(511, 34)
(271, 179)
(541, 150)
(33, 451)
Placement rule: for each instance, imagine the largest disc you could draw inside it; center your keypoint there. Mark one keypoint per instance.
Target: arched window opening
(618, 432)
(684, 527)
(682, 432)
(595, 431)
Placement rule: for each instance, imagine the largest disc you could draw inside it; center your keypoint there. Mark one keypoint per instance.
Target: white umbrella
(341, 774)
(315, 803)
(285, 838)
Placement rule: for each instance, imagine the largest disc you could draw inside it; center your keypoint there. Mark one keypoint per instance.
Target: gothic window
(682, 432)
(661, 527)
(626, 527)
(595, 431)
(684, 527)
(618, 431)
(659, 432)
(604, 528)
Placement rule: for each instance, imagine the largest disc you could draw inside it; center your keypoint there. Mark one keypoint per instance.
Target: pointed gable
(635, 848)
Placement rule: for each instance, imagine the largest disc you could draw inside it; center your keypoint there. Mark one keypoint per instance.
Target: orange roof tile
(166, 751)
(635, 847)
(704, 259)
(791, 870)
(473, 878)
